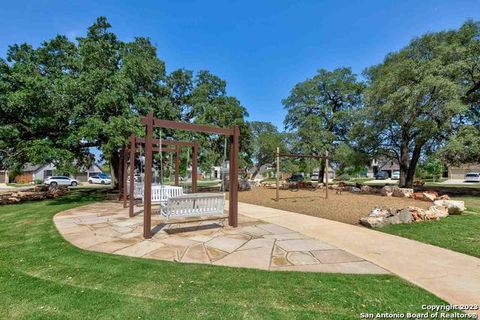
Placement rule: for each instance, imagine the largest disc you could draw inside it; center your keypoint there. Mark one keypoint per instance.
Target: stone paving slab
(106, 227)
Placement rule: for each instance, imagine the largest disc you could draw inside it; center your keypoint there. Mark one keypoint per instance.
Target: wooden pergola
(233, 133)
(130, 154)
(279, 155)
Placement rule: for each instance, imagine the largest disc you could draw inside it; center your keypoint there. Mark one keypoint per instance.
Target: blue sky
(262, 48)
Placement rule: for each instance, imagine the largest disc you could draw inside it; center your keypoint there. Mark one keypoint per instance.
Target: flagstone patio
(106, 227)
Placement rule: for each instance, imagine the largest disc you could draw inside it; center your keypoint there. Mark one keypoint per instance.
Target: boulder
(443, 197)
(373, 222)
(379, 212)
(453, 206)
(417, 195)
(418, 214)
(436, 212)
(355, 189)
(429, 196)
(386, 191)
(402, 192)
(404, 215)
(395, 219)
(367, 190)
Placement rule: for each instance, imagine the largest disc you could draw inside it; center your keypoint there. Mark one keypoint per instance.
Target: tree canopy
(320, 110)
(64, 97)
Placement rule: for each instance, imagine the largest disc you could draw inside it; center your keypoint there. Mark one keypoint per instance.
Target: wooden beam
(124, 176)
(233, 188)
(168, 124)
(166, 142)
(120, 174)
(177, 166)
(294, 155)
(194, 169)
(131, 193)
(147, 190)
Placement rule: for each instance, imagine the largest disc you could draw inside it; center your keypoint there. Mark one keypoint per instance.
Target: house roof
(31, 167)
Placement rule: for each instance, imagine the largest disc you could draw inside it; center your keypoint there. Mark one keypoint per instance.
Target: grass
(464, 185)
(44, 277)
(456, 232)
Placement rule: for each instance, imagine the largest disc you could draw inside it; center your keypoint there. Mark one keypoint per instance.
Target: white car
(60, 181)
(396, 175)
(472, 177)
(100, 179)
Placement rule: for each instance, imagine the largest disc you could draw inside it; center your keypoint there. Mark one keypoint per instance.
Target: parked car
(295, 178)
(396, 175)
(382, 175)
(472, 177)
(101, 178)
(60, 181)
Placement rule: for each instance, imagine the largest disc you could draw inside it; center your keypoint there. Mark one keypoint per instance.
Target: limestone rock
(402, 192)
(405, 216)
(355, 190)
(367, 190)
(379, 212)
(373, 222)
(393, 220)
(436, 212)
(429, 196)
(453, 206)
(386, 191)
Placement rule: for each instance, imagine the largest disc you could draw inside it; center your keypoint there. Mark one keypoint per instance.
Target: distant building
(30, 173)
(331, 174)
(378, 165)
(3, 176)
(460, 171)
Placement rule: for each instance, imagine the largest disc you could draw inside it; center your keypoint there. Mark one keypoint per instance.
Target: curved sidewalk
(452, 276)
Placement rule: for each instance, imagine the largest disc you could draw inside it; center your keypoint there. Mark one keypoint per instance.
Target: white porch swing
(188, 205)
(172, 200)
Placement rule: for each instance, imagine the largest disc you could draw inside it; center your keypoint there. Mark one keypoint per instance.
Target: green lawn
(462, 185)
(44, 277)
(457, 232)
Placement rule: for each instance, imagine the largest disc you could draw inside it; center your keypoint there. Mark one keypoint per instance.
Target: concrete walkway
(452, 276)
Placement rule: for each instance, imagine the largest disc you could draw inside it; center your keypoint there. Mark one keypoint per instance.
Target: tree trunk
(257, 170)
(115, 169)
(413, 165)
(321, 172)
(403, 163)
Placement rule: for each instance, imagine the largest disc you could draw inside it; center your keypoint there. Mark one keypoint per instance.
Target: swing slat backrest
(199, 204)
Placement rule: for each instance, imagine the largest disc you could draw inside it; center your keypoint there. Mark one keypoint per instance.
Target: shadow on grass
(80, 195)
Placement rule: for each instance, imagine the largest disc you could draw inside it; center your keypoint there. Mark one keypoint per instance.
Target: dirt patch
(347, 207)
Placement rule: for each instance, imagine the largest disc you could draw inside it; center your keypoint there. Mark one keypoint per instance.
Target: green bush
(38, 181)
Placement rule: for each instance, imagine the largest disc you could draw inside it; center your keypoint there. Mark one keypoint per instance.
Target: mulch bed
(346, 207)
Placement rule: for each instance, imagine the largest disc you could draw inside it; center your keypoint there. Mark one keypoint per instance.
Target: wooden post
(194, 168)
(177, 165)
(277, 175)
(147, 190)
(326, 175)
(131, 192)
(125, 174)
(233, 188)
(120, 175)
